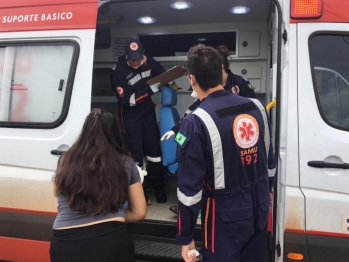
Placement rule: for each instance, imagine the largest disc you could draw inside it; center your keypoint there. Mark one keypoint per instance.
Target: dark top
(220, 145)
(246, 88)
(131, 88)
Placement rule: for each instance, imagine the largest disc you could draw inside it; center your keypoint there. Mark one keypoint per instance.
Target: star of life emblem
(133, 46)
(246, 131)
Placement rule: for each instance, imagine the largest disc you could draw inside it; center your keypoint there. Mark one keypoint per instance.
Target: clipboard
(168, 76)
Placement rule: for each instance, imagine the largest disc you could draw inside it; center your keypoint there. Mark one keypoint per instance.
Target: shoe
(173, 209)
(160, 195)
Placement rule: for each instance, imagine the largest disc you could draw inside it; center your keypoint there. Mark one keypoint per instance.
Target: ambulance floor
(161, 212)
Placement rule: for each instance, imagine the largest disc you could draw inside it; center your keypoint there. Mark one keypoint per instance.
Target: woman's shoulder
(129, 163)
(131, 170)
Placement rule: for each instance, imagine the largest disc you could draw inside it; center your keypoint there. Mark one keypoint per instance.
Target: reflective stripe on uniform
(271, 172)
(132, 100)
(146, 73)
(216, 143)
(154, 159)
(134, 80)
(189, 201)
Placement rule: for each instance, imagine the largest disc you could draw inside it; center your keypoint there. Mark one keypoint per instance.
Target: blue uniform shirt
(221, 148)
(246, 88)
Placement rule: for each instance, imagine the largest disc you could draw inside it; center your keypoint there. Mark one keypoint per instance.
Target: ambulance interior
(249, 37)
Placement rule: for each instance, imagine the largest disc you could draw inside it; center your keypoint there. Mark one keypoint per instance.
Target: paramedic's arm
(191, 172)
(272, 161)
(126, 95)
(246, 88)
(131, 95)
(156, 68)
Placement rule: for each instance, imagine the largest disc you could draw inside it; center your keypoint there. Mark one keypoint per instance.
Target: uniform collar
(229, 82)
(216, 94)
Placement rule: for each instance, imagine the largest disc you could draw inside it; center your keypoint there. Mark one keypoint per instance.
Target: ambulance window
(330, 60)
(34, 84)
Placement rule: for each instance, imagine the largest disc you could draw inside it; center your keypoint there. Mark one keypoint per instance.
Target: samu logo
(246, 131)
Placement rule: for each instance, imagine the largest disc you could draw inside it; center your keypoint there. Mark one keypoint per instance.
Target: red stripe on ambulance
(52, 15)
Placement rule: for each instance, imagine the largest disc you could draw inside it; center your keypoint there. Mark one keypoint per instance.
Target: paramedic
(226, 167)
(231, 82)
(137, 110)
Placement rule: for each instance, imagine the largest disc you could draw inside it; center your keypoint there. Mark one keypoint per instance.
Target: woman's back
(68, 217)
(93, 180)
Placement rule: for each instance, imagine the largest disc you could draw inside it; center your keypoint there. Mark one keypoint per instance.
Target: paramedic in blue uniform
(226, 167)
(232, 82)
(137, 110)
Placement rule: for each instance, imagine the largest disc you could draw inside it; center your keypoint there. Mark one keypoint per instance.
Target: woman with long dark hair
(93, 180)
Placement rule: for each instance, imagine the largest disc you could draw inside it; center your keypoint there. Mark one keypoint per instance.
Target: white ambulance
(55, 60)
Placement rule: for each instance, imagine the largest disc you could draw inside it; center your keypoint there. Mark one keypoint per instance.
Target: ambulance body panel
(55, 60)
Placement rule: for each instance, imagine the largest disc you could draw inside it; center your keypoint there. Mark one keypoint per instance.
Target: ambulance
(55, 61)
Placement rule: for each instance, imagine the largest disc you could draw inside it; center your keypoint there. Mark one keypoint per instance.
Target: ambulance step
(156, 251)
(155, 241)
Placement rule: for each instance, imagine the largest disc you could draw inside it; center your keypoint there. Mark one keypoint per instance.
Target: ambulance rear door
(323, 95)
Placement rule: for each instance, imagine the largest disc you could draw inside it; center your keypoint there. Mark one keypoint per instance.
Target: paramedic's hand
(167, 135)
(187, 254)
(155, 88)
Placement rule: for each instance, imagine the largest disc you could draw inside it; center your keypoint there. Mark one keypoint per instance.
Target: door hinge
(284, 36)
(278, 249)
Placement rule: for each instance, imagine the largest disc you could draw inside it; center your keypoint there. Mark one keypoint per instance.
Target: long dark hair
(92, 174)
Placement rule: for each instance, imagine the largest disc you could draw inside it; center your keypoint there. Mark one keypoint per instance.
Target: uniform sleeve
(127, 96)
(272, 160)
(156, 67)
(246, 88)
(191, 172)
(272, 163)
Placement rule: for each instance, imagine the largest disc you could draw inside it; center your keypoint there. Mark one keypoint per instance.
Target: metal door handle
(60, 87)
(57, 152)
(322, 164)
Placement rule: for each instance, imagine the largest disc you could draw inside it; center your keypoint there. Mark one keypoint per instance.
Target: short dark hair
(92, 174)
(205, 63)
